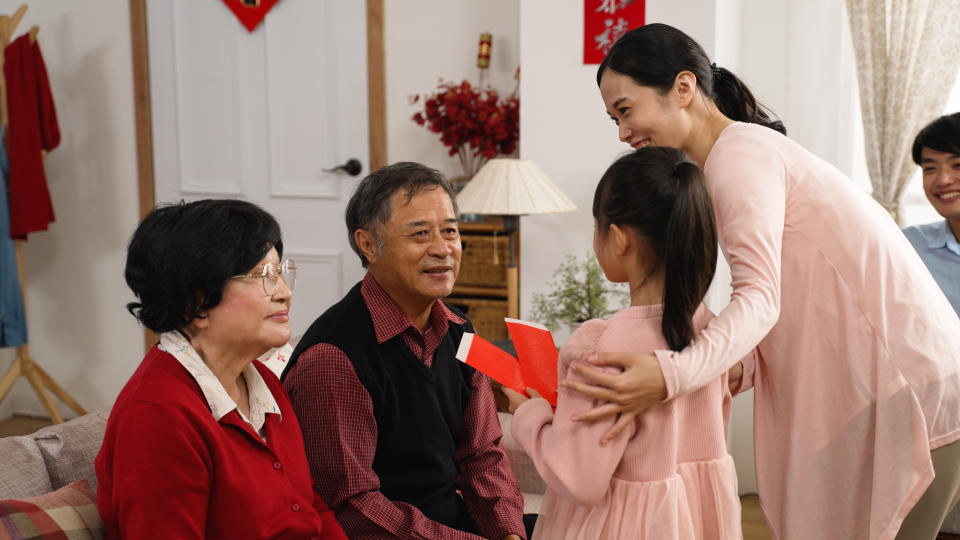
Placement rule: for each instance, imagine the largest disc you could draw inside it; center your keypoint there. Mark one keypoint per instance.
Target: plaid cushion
(68, 513)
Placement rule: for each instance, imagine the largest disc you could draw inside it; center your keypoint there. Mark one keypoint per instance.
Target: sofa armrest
(68, 449)
(532, 486)
(22, 470)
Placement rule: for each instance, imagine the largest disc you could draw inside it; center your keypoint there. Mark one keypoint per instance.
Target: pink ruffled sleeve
(558, 446)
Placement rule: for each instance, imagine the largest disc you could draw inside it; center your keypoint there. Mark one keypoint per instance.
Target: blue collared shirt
(940, 251)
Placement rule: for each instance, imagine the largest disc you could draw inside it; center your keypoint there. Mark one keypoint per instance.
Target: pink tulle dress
(670, 476)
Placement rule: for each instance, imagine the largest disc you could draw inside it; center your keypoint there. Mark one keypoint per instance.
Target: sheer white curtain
(907, 54)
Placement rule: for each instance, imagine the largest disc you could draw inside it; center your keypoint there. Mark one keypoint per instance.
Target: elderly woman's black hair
(182, 254)
(652, 55)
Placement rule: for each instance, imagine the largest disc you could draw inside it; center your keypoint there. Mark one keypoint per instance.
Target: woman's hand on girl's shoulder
(639, 386)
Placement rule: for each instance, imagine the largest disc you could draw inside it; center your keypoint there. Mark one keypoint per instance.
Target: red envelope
(536, 367)
(538, 356)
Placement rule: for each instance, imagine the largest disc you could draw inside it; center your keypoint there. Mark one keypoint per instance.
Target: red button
(295, 507)
(277, 465)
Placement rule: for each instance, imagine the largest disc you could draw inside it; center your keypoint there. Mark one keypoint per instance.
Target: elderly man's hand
(639, 386)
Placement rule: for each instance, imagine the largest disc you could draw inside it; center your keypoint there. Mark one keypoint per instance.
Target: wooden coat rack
(23, 365)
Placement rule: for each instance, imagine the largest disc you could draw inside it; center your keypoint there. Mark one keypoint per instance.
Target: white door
(260, 116)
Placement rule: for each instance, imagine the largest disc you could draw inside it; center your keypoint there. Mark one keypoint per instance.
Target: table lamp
(512, 188)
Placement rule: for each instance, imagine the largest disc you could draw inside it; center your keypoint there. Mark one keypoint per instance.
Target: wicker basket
(485, 314)
(478, 265)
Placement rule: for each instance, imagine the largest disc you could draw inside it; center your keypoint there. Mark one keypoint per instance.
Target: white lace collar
(261, 399)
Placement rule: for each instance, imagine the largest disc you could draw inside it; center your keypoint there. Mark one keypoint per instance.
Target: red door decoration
(604, 21)
(250, 12)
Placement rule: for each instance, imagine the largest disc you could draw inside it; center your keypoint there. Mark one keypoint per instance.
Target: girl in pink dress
(668, 475)
(857, 375)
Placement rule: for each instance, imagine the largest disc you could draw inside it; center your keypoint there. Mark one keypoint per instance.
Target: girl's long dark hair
(660, 194)
(653, 55)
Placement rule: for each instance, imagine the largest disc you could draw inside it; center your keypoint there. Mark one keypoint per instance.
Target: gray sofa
(52, 457)
(532, 486)
(58, 455)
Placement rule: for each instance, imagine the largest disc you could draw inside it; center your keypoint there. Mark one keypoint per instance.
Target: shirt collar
(390, 321)
(262, 401)
(942, 237)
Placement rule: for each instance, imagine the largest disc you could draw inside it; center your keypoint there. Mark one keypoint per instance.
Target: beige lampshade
(512, 187)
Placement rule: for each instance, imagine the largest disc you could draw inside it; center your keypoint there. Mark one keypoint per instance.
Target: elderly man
(400, 436)
(936, 150)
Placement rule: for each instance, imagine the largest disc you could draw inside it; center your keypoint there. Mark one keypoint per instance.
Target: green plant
(578, 292)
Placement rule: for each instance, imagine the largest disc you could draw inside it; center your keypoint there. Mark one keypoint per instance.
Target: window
(914, 205)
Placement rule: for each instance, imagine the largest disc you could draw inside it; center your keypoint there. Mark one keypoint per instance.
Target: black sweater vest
(418, 410)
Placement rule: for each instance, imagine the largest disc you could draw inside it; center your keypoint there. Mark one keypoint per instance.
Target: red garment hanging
(33, 127)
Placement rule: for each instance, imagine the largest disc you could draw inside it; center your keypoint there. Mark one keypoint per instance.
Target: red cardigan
(167, 469)
(33, 127)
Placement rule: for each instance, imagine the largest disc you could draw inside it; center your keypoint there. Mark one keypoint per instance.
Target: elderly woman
(202, 441)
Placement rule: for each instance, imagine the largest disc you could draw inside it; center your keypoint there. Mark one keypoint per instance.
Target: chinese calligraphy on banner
(604, 21)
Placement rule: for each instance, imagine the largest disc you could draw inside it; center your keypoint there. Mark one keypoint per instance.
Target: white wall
(797, 57)
(429, 40)
(564, 127)
(78, 328)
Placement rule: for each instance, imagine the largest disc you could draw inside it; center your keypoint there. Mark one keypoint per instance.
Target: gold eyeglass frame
(285, 266)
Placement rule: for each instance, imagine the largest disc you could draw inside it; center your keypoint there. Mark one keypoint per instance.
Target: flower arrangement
(578, 292)
(474, 123)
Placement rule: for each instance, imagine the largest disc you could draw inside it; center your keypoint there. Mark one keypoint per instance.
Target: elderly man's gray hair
(369, 208)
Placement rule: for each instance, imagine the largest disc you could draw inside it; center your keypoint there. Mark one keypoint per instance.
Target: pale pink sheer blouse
(859, 350)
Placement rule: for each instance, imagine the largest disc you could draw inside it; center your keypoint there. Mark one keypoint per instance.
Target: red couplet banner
(604, 21)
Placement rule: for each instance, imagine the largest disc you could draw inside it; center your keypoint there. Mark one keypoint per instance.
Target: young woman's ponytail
(663, 197)
(690, 254)
(653, 55)
(736, 101)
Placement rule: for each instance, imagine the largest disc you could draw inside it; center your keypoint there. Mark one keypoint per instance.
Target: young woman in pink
(857, 378)
(668, 475)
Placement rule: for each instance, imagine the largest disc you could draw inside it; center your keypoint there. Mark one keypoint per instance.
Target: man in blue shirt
(936, 150)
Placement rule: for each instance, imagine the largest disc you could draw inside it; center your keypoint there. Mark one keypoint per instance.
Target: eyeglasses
(271, 275)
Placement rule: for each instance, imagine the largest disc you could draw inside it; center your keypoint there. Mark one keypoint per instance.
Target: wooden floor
(21, 425)
(754, 527)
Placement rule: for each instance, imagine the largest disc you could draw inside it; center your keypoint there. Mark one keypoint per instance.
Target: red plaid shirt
(340, 433)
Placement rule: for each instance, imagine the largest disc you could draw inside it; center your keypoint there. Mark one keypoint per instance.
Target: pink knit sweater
(670, 476)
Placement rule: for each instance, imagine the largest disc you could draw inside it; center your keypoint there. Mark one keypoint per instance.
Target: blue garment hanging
(13, 324)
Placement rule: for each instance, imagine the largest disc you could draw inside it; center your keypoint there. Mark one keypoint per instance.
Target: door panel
(259, 116)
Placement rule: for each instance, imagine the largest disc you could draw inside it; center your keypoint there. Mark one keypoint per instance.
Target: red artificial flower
(474, 123)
